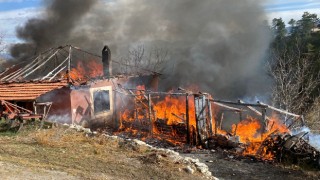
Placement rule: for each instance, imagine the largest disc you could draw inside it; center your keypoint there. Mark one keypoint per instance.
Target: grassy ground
(62, 153)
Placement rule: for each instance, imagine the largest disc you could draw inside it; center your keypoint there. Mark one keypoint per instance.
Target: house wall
(80, 105)
(60, 110)
(76, 104)
(83, 109)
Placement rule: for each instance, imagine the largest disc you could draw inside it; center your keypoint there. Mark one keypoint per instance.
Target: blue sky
(287, 9)
(7, 5)
(15, 13)
(291, 5)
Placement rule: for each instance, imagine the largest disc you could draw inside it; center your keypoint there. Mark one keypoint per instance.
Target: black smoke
(219, 45)
(54, 28)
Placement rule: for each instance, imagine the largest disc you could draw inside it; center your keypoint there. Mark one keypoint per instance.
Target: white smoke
(59, 118)
(314, 139)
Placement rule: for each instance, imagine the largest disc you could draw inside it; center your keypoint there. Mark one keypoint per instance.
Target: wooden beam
(51, 72)
(179, 117)
(43, 63)
(187, 119)
(237, 103)
(150, 113)
(280, 110)
(254, 110)
(228, 107)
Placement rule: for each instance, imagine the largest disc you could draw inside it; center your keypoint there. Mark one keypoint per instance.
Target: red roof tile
(27, 90)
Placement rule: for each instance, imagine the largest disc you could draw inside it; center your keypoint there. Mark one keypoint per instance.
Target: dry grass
(74, 153)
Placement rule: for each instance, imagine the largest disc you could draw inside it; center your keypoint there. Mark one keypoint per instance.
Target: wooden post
(150, 113)
(69, 63)
(154, 115)
(216, 126)
(115, 112)
(136, 114)
(42, 120)
(264, 119)
(210, 117)
(187, 118)
(34, 107)
(235, 130)
(221, 120)
(240, 119)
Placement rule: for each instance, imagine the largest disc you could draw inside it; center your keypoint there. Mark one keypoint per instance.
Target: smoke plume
(218, 45)
(54, 29)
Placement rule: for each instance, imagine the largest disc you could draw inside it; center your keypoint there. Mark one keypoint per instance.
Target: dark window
(101, 101)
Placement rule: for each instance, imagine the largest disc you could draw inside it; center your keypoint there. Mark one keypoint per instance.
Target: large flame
(172, 111)
(252, 133)
(168, 115)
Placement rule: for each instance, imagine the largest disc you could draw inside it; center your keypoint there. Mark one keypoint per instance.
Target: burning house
(69, 85)
(66, 85)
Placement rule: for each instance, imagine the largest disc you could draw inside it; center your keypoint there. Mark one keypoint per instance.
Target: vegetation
(68, 154)
(139, 60)
(295, 65)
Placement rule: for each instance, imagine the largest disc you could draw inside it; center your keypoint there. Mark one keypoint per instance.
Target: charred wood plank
(280, 110)
(228, 107)
(237, 103)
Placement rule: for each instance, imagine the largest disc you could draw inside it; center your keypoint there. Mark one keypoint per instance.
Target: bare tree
(138, 60)
(313, 115)
(295, 79)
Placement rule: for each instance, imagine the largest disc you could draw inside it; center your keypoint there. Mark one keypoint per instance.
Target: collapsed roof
(53, 69)
(51, 65)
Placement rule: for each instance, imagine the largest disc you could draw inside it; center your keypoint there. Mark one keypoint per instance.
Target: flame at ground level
(168, 120)
(252, 133)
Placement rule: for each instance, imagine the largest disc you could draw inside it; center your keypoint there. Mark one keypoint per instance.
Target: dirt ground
(63, 153)
(66, 154)
(224, 166)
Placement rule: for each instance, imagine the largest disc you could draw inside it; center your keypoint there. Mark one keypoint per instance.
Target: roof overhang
(25, 91)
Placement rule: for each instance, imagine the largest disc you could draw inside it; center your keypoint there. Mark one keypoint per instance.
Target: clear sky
(15, 13)
(291, 9)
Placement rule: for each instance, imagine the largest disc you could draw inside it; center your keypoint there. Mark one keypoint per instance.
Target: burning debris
(93, 97)
(83, 90)
(196, 119)
(291, 148)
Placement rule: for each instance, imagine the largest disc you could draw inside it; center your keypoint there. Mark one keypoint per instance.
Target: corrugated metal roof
(27, 90)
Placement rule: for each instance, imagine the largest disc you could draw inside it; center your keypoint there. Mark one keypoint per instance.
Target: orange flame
(84, 72)
(171, 110)
(251, 132)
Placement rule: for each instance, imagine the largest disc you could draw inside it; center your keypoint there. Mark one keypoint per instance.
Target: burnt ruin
(63, 78)
(57, 87)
